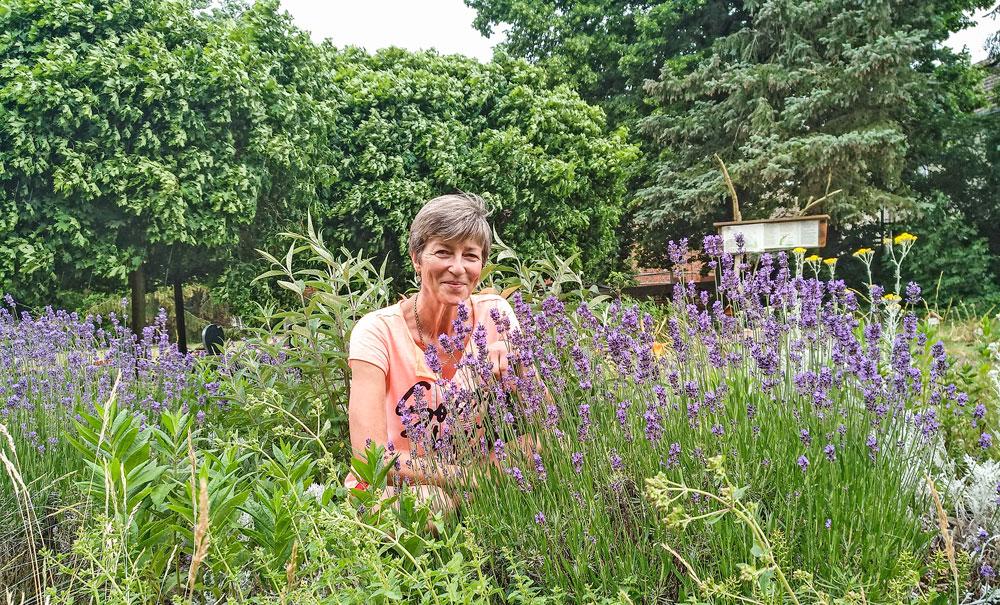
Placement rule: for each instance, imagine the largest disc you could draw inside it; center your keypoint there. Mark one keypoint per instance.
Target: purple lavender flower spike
(522, 483)
(673, 455)
(584, 429)
(803, 463)
(872, 444)
(539, 467)
(615, 459)
(500, 450)
(432, 359)
(712, 245)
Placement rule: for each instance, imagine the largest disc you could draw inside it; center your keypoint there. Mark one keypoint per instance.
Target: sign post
(775, 234)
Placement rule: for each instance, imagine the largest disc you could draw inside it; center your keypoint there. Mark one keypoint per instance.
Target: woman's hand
(498, 352)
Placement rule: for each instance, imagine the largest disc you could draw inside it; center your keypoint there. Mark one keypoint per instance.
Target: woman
(449, 243)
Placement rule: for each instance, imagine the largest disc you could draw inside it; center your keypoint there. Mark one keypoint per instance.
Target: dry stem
(201, 536)
(949, 542)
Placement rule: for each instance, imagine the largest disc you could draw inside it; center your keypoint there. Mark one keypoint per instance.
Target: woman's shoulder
(384, 317)
(486, 298)
(484, 302)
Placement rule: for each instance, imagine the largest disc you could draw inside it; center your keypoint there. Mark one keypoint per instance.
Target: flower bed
(56, 363)
(775, 439)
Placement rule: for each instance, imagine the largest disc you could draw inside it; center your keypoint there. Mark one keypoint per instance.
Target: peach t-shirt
(382, 339)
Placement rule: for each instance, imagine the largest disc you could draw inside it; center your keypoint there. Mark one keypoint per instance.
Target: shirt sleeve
(369, 342)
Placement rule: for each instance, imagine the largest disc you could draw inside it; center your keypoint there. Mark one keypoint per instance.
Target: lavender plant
(56, 363)
(828, 409)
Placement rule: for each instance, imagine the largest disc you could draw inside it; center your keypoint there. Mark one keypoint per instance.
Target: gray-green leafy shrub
(289, 378)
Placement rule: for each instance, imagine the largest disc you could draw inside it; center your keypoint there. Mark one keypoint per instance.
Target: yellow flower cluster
(890, 298)
(798, 250)
(863, 251)
(904, 237)
(830, 261)
(815, 258)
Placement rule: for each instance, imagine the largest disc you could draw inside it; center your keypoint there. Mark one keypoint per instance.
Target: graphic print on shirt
(410, 416)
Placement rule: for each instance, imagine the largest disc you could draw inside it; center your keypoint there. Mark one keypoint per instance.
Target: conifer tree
(809, 98)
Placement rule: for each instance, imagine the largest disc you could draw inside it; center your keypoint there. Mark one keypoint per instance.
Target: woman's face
(449, 270)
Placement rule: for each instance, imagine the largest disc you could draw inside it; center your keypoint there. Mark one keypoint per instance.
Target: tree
(954, 172)
(808, 98)
(139, 136)
(607, 49)
(417, 125)
(993, 42)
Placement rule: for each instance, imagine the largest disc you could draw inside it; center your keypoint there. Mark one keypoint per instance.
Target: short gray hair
(454, 217)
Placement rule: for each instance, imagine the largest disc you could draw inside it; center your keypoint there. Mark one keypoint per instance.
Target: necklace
(416, 318)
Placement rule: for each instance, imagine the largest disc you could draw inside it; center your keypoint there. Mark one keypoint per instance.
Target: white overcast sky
(446, 25)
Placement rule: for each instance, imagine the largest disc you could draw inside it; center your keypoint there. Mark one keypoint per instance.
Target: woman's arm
(367, 423)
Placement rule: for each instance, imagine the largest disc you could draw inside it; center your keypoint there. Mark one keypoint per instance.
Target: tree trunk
(137, 286)
(182, 342)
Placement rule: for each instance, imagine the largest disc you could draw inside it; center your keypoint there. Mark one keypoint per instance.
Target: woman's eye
(442, 254)
(472, 257)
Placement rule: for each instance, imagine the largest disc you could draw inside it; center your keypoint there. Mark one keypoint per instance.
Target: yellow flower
(863, 251)
(889, 298)
(798, 250)
(904, 237)
(815, 258)
(830, 261)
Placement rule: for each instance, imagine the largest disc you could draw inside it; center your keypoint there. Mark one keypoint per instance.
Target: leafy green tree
(953, 169)
(417, 125)
(993, 42)
(163, 140)
(607, 49)
(138, 137)
(808, 98)
(953, 262)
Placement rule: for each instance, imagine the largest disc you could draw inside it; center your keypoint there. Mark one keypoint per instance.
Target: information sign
(775, 234)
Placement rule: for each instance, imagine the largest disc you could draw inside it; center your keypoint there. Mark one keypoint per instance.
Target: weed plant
(289, 378)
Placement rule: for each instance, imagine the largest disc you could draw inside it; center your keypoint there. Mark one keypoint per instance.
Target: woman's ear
(416, 266)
